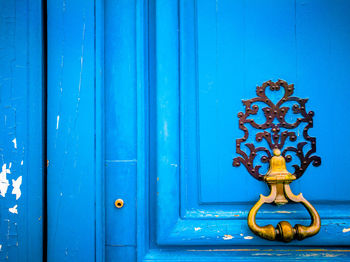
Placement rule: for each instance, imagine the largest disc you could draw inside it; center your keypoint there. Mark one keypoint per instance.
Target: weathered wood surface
(21, 131)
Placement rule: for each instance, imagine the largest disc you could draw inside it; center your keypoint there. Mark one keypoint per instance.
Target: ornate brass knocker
(278, 178)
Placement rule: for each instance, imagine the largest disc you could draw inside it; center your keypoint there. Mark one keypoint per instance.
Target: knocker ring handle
(284, 230)
(277, 129)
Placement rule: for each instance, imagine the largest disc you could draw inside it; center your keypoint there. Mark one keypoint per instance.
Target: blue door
(22, 129)
(204, 58)
(144, 101)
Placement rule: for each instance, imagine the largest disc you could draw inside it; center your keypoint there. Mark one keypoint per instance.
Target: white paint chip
(22, 163)
(197, 228)
(16, 187)
(57, 122)
(14, 141)
(248, 237)
(4, 183)
(227, 237)
(166, 129)
(13, 210)
(345, 230)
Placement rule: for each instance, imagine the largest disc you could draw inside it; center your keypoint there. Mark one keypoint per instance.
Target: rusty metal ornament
(271, 131)
(278, 177)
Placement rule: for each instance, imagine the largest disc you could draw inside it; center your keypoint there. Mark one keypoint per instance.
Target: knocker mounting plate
(276, 130)
(272, 132)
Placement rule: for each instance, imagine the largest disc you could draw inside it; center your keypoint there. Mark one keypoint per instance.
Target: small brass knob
(119, 203)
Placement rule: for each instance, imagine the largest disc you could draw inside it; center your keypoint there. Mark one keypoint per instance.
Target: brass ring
(284, 231)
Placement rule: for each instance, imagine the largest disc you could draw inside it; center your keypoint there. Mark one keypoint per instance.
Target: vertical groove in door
(44, 70)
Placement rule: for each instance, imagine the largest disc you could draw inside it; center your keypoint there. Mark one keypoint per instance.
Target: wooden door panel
(175, 73)
(223, 50)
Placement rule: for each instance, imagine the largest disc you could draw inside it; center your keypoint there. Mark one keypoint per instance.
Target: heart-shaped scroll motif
(276, 130)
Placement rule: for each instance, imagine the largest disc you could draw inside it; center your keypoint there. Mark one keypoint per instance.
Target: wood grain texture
(21, 131)
(75, 151)
(174, 74)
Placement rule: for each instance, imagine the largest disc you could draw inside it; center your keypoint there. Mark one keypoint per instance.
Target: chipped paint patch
(166, 129)
(16, 187)
(345, 230)
(248, 237)
(58, 122)
(227, 237)
(13, 210)
(4, 183)
(14, 141)
(22, 163)
(197, 228)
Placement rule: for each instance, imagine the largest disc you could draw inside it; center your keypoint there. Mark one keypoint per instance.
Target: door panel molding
(177, 222)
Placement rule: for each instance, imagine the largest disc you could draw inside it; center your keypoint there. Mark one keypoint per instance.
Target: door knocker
(276, 131)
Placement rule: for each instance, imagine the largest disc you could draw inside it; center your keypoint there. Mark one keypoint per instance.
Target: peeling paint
(197, 228)
(16, 187)
(227, 237)
(58, 122)
(248, 237)
(345, 230)
(13, 210)
(22, 163)
(14, 141)
(4, 183)
(165, 129)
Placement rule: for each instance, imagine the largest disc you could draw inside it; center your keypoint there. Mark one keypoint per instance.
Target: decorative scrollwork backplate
(277, 132)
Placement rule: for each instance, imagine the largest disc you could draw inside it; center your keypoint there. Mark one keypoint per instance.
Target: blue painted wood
(21, 131)
(218, 57)
(166, 124)
(121, 129)
(143, 34)
(248, 254)
(161, 83)
(100, 133)
(223, 56)
(75, 118)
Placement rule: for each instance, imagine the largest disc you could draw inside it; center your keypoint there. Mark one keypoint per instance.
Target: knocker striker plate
(278, 177)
